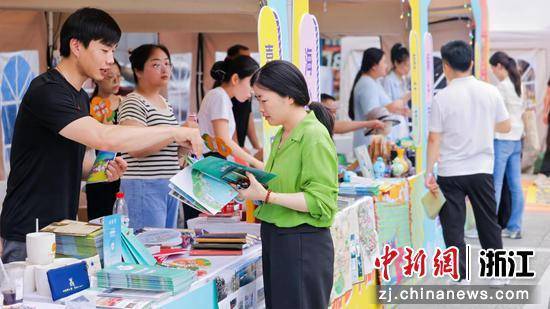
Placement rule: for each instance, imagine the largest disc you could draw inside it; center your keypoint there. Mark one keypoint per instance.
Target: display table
(235, 280)
(354, 233)
(401, 221)
(396, 217)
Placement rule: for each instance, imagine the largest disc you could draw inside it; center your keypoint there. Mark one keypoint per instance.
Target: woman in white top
(145, 183)
(508, 145)
(395, 84)
(368, 97)
(216, 112)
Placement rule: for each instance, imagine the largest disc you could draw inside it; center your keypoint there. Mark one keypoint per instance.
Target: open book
(206, 184)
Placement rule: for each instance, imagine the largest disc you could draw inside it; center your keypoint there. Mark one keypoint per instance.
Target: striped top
(161, 165)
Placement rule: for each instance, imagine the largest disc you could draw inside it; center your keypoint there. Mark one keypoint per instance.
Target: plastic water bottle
(120, 208)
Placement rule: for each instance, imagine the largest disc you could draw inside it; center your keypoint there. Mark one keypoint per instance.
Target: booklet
(206, 184)
(433, 203)
(99, 169)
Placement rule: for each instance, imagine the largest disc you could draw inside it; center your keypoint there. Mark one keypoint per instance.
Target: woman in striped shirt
(145, 182)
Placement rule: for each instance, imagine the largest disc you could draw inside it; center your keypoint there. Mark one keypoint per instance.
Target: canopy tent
(520, 36)
(522, 30)
(223, 23)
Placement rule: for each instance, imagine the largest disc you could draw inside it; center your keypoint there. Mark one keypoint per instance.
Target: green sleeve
(319, 179)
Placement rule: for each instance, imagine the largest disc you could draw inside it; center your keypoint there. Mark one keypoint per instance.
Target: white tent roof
(519, 16)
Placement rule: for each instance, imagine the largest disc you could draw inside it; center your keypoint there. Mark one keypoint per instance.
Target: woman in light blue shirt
(396, 87)
(368, 96)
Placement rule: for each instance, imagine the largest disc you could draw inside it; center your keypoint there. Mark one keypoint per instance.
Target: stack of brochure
(141, 277)
(77, 239)
(357, 189)
(207, 184)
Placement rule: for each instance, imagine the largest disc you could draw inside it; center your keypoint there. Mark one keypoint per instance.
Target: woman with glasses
(145, 182)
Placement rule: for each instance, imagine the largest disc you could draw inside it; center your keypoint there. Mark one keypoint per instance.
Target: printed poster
(17, 70)
(179, 87)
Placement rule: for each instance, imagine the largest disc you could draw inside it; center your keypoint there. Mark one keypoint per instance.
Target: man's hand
(189, 138)
(431, 183)
(375, 124)
(116, 169)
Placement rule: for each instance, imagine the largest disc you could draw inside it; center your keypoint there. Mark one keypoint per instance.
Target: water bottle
(379, 168)
(121, 209)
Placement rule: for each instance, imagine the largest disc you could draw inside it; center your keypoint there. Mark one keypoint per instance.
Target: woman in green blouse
(300, 203)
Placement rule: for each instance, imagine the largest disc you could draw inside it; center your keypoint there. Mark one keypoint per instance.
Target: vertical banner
(429, 64)
(269, 41)
(17, 70)
(299, 8)
(481, 50)
(419, 17)
(309, 55)
(414, 48)
(283, 8)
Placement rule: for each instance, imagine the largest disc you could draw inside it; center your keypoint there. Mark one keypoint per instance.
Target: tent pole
(49, 53)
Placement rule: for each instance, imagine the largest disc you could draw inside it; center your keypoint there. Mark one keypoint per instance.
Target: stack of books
(357, 189)
(222, 244)
(142, 277)
(77, 239)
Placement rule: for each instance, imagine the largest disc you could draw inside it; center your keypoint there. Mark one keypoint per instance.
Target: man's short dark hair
(325, 97)
(457, 54)
(86, 25)
(234, 50)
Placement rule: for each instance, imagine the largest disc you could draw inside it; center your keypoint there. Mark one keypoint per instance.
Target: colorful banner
(309, 55)
(429, 88)
(283, 8)
(299, 8)
(481, 50)
(355, 246)
(419, 18)
(426, 233)
(393, 226)
(363, 295)
(414, 49)
(269, 41)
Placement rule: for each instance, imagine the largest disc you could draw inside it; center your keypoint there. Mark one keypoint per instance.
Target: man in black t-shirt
(242, 111)
(53, 128)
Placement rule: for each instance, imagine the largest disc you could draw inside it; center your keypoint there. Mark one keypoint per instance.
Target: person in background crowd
(368, 95)
(545, 168)
(54, 127)
(300, 205)
(465, 157)
(216, 114)
(100, 197)
(508, 145)
(324, 115)
(346, 126)
(395, 84)
(242, 111)
(216, 117)
(145, 183)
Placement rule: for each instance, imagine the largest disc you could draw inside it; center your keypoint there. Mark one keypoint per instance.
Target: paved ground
(536, 236)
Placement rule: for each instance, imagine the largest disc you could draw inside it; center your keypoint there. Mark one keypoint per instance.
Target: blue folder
(68, 280)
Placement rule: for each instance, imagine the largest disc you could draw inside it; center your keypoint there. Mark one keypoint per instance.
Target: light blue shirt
(396, 88)
(368, 94)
